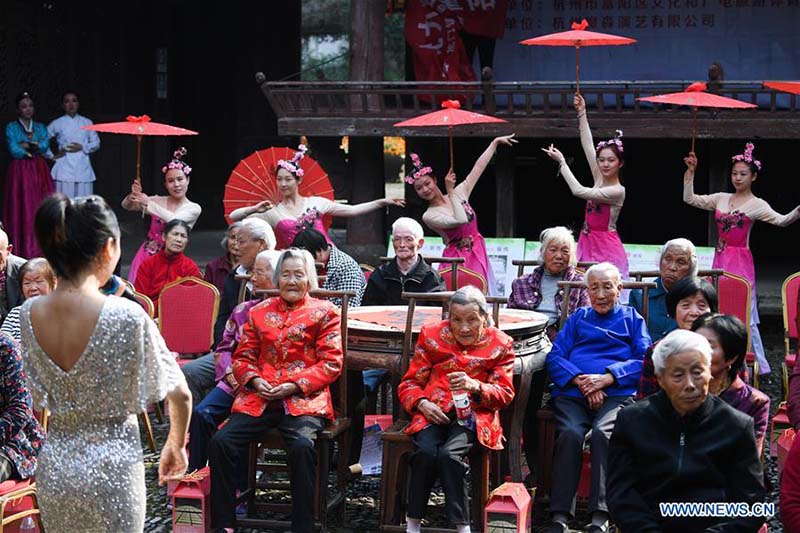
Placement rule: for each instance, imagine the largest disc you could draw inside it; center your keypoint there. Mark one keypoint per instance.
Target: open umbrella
(253, 180)
(139, 126)
(578, 37)
(695, 96)
(792, 87)
(450, 115)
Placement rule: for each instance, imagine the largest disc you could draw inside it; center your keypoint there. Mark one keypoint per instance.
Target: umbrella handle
(450, 131)
(139, 159)
(577, 69)
(694, 128)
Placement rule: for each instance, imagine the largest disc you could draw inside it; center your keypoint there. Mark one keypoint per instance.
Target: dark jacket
(386, 283)
(655, 456)
(13, 295)
(227, 301)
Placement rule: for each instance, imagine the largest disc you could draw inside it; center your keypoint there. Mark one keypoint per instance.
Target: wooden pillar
(504, 204)
(366, 153)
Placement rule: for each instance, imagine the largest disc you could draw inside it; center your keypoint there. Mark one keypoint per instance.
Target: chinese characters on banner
(432, 30)
(677, 39)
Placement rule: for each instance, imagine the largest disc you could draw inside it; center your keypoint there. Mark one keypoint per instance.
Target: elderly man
(678, 260)
(10, 291)
(216, 406)
(595, 364)
(683, 445)
(254, 236)
(342, 273)
(408, 272)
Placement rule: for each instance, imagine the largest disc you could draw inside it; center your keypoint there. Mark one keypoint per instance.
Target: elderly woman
(678, 260)
(464, 355)
(689, 299)
(289, 354)
(682, 445)
(595, 364)
(539, 291)
(728, 339)
(218, 269)
(36, 278)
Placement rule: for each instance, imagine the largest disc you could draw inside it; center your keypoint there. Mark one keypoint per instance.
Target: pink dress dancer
(287, 226)
(734, 225)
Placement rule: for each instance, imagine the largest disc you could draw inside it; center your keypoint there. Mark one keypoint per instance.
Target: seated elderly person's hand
(261, 387)
(432, 412)
(591, 383)
(596, 399)
(281, 391)
(461, 381)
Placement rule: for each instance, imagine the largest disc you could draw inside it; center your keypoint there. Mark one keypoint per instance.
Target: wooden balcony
(533, 109)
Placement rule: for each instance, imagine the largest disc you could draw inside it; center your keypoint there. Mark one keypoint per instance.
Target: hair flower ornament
(293, 164)
(177, 160)
(419, 170)
(617, 140)
(747, 156)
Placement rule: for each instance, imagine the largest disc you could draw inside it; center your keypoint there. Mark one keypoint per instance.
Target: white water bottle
(463, 409)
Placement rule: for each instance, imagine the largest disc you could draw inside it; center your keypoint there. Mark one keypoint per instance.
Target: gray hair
(469, 295)
(680, 341)
(224, 242)
(269, 255)
(559, 234)
(408, 224)
(601, 268)
(259, 229)
(308, 266)
(684, 245)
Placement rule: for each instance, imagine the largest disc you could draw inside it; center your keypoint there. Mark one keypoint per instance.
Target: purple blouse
(749, 401)
(229, 342)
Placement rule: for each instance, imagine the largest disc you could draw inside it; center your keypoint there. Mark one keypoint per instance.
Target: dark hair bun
(72, 233)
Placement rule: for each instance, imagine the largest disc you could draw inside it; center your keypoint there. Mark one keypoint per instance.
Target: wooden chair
(789, 302)
(453, 262)
(398, 447)
(521, 264)
(714, 274)
(188, 308)
(335, 431)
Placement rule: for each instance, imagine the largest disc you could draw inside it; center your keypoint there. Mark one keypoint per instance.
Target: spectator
(790, 490)
(10, 291)
(678, 260)
(595, 364)
(37, 278)
(464, 353)
(167, 265)
(218, 269)
(342, 273)
(682, 445)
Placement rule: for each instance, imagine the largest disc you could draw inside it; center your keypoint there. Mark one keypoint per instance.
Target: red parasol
(578, 37)
(695, 96)
(253, 180)
(792, 87)
(139, 126)
(450, 115)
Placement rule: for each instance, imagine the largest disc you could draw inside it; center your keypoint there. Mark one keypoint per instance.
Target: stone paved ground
(363, 501)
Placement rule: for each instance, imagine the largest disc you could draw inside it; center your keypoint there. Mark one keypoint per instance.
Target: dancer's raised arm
(614, 195)
(483, 161)
(587, 142)
(701, 201)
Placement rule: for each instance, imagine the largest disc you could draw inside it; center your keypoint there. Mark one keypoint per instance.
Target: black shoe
(554, 527)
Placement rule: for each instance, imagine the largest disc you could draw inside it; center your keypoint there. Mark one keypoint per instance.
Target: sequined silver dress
(90, 476)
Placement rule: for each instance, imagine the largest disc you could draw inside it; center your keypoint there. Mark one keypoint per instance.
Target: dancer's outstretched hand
(555, 154)
(450, 181)
(399, 202)
(691, 161)
(263, 206)
(173, 463)
(506, 140)
(579, 103)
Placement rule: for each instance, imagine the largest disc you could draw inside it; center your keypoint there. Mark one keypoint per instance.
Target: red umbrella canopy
(451, 115)
(139, 126)
(578, 36)
(784, 86)
(695, 96)
(253, 180)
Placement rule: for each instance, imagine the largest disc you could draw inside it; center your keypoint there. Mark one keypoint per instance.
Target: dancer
(94, 361)
(735, 214)
(162, 209)
(599, 240)
(28, 180)
(451, 216)
(295, 213)
(72, 171)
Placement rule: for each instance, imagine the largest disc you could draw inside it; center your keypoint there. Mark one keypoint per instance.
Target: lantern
(509, 509)
(191, 512)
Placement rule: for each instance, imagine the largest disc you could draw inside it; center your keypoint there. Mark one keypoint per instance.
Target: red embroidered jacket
(490, 361)
(300, 344)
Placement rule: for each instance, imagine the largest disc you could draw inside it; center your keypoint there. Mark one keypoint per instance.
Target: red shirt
(298, 344)
(160, 269)
(490, 361)
(790, 490)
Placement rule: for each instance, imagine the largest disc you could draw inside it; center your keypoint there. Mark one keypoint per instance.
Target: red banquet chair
(789, 302)
(735, 299)
(145, 302)
(188, 308)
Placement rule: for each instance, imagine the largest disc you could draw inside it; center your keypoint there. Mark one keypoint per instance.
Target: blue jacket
(590, 343)
(659, 323)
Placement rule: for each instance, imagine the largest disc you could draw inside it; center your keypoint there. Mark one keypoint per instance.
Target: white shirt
(74, 166)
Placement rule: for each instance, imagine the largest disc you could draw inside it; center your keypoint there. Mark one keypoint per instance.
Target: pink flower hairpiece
(177, 162)
(293, 164)
(419, 170)
(747, 156)
(617, 140)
